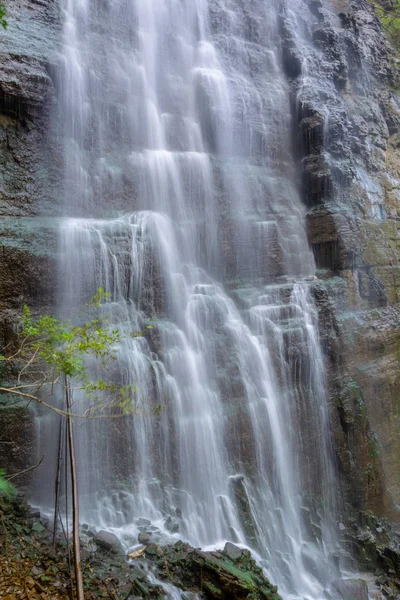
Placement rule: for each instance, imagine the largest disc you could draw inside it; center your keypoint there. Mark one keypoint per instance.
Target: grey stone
(138, 573)
(171, 525)
(144, 538)
(108, 541)
(143, 522)
(234, 552)
(352, 589)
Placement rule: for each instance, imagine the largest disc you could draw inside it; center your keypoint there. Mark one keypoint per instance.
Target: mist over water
(182, 202)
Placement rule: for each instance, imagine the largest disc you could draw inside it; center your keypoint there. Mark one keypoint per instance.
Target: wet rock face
(29, 189)
(352, 589)
(28, 152)
(30, 158)
(346, 123)
(373, 545)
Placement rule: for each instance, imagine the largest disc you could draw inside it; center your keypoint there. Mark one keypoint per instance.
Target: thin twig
(26, 590)
(26, 470)
(5, 531)
(130, 592)
(57, 486)
(30, 361)
(14, 391)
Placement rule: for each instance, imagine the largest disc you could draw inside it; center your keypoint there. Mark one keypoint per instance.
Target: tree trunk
(75, 502)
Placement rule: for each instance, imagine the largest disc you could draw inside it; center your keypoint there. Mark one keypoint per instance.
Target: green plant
(52, 354)
(7, 490)
(3, 14)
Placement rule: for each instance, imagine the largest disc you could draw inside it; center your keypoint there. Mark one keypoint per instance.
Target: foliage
(63, 345)
(50, 350)
(389, 16)
(3, 14)
(7, 490)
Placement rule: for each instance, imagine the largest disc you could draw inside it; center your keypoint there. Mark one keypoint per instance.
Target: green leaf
(38, 528)
(7, 490)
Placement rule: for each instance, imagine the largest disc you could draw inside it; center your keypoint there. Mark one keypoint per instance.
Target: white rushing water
(182, 203)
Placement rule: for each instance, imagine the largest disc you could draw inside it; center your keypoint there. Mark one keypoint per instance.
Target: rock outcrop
(346, 131)
(223, 575)
(29, 155)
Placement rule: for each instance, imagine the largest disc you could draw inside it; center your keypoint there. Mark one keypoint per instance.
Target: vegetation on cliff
(388, 12)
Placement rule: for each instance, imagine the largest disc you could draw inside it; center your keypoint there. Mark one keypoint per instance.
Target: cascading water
(182, 203)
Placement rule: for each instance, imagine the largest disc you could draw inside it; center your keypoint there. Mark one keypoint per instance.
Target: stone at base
(108, 541)
(352, 589)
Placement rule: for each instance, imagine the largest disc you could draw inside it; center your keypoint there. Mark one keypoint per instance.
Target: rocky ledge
(374, 545)
(30, 567)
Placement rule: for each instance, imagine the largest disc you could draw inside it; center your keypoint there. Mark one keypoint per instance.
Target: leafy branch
(50, 350)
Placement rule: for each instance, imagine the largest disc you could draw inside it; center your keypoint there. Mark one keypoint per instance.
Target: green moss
(243, 575)
(212, 589)
(142, 589)
(351, 401)
(373, 447)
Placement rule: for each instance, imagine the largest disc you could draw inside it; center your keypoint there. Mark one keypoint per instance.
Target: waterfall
(182, 201)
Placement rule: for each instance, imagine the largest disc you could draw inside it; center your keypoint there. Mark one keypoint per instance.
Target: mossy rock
(215, 574)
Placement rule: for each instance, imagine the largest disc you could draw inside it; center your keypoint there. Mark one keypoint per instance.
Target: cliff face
(29, 190)
(346, 132)
(29, 156)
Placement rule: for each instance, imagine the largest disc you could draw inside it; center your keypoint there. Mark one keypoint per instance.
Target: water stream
(182, 202)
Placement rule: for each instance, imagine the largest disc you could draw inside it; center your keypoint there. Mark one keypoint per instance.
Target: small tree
(52, 355)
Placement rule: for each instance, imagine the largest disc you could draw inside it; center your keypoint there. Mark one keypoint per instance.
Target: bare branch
(30, 361)
(36, 399)
(66, 413)
(26, 470)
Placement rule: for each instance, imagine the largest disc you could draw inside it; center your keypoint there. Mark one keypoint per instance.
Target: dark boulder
(109, 542)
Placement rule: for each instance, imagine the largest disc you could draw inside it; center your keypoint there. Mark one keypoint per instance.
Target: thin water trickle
(182, 202)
